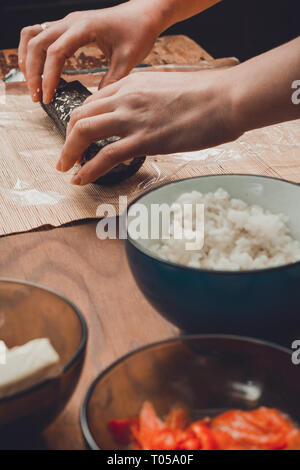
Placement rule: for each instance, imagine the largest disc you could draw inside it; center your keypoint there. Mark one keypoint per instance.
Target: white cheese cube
(23, 367)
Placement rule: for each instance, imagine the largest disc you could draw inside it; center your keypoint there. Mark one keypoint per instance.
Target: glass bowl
(27, 312)
(206, 374)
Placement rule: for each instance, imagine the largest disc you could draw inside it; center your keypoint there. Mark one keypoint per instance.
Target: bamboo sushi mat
(33, 194)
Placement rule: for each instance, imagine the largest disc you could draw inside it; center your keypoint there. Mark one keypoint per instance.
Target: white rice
(237, 236)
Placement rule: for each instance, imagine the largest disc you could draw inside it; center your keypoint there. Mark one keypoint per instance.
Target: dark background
(241, 28)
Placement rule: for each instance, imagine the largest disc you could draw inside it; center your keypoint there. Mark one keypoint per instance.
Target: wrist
(166, 13)
(234, 90)
(159, 13)
(258, 99)
(227, 105)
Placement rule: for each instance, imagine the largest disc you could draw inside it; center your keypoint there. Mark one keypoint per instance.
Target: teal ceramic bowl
(261, 303)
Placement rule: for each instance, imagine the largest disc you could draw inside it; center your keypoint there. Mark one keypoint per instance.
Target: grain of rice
(237, 236)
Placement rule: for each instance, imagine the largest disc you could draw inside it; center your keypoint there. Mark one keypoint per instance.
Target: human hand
(153, 113)
(125, 34)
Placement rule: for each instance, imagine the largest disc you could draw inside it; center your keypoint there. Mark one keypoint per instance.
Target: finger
(85, 132)
(57, 53)
(27, 33)
(36, 55)
(95, 108)
(106, 159)
(106, 92)
(118, 69)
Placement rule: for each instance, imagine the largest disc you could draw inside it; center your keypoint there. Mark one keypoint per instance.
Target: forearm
(168, 12)
(262, 88)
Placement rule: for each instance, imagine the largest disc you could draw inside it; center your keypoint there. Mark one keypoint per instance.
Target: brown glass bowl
(27, 312)
(206, 374)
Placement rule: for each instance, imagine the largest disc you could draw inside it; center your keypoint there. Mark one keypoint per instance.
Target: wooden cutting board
(167, 50)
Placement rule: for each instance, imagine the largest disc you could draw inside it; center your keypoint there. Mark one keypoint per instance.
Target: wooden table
(94, 274)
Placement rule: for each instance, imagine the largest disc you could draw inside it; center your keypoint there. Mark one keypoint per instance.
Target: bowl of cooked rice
(220, 254)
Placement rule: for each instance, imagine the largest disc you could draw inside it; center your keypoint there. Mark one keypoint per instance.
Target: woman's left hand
(153, 113)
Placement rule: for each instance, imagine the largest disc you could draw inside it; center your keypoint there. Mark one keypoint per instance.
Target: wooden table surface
(93, 274)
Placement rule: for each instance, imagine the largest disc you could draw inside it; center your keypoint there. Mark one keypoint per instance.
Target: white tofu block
(2, 353)
(23, 367)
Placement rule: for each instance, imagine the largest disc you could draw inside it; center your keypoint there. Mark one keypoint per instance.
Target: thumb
(118, 69)
(110, 156)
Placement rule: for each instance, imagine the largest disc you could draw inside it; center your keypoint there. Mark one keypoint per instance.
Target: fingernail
(76, 180)
(47, 98)
(59, 166)
(34, 97)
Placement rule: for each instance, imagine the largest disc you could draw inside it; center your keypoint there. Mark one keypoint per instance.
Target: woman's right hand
(125, 34)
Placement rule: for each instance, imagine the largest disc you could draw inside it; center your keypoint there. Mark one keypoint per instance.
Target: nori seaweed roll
(70, 95)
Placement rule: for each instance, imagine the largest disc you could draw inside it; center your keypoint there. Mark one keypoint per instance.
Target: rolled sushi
(70, 95)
